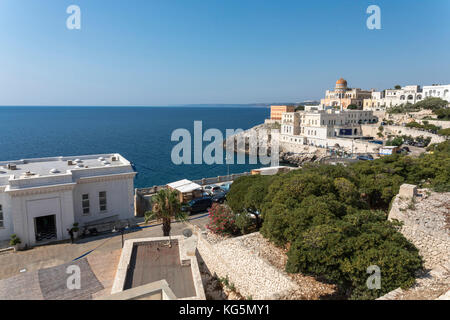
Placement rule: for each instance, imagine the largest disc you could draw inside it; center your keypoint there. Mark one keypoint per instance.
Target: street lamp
(121, 230)
(227, 157)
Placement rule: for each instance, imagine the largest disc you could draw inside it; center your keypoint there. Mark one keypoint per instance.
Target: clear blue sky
(146, 52)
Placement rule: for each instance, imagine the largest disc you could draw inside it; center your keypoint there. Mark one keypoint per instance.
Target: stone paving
(99, 265)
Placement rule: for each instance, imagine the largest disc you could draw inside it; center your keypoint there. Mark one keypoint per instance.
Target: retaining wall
(250, 274)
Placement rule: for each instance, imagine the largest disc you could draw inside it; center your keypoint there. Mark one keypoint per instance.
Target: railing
(202, 182)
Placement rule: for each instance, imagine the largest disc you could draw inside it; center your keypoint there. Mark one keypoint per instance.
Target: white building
(408, 94)
(437, 91)
(319, 128)
(376, 102)
(41, 198)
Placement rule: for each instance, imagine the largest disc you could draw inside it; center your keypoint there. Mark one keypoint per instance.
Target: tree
(166, 206)
(444, 132)
(352, 107)
(431, 103)
(442, 113)
(397, 87)
(300, 108)
(247, 195)
(397, 141)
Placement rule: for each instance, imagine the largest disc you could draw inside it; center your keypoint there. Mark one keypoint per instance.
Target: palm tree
(165, 207)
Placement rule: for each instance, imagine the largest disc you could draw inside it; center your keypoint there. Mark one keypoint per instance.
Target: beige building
(342, 96)
(276, 112)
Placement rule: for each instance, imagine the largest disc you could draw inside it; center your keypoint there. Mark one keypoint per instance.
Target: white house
(407, 94)
(41, 198)
(437, 91)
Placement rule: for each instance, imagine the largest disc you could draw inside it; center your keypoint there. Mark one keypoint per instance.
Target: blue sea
(140, 134)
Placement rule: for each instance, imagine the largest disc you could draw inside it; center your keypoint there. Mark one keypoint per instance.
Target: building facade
(41, 198)
(276, 112)
(375, 102)
(437, 91)
(319, 128)
(394, 97)
(342, 96)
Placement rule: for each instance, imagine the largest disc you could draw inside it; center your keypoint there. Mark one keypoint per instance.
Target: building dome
(341, 86)
(341, 82)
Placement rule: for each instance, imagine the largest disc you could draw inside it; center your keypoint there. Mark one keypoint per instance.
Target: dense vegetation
(443, 113)
(333, 219)
(408, 140)
(436, 104)
(444, 132)
(425, 126)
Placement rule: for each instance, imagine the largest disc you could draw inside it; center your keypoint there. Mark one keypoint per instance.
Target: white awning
(184, 186)
(270, 170)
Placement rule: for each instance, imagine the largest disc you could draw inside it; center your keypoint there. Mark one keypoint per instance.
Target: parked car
(198, 205)
(212, 189)
(409, 142)
(406, 149)
(420, 145)
(226, 186)
(367, 157)
(219, 197)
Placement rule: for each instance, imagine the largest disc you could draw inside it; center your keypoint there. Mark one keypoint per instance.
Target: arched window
(419, 97)
(445, 92)
(410, 97)
(402, 97)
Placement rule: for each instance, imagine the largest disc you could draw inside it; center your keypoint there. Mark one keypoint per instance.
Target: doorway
(45, 228)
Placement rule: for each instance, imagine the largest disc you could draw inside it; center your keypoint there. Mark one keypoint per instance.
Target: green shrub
(244, 223)
(334, 221)
(14, 240)
(444, 132)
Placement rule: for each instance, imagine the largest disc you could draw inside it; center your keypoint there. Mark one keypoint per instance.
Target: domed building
(341, 85)
(342, 96)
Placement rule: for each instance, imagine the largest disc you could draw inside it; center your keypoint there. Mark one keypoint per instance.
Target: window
(102, 200)
(1, 217)
(85, 203)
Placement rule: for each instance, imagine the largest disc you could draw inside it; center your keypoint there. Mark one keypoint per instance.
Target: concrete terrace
(154, 261)
(45, 265)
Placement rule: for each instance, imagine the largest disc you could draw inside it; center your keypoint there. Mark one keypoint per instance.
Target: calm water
(142, 135)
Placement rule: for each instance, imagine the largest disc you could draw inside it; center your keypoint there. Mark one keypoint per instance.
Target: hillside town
(361, 122)
(353, 166)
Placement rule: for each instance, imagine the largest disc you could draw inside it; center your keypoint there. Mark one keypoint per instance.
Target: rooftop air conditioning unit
(70, 163)
(11, 166)
(114, 158)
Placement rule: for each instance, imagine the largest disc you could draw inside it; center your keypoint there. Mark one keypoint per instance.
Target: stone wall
(250, 274)
(438, 123)
(425, 223)
(372, 130)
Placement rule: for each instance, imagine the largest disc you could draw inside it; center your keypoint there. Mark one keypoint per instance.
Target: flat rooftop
(40, 167)
(171, 260)
(154, 261)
